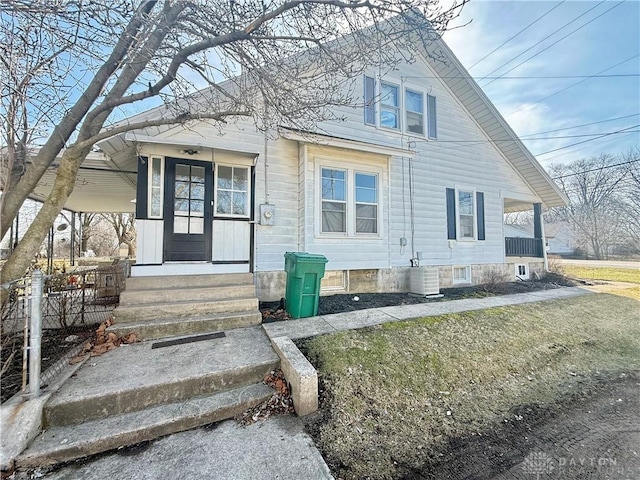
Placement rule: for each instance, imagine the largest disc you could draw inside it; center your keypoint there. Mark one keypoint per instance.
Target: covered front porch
(525, 240)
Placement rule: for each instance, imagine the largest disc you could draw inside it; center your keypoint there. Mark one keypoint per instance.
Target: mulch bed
(275, 311)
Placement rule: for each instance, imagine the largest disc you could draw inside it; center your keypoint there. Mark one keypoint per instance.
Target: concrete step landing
(62, 444)
(135, 377)
(169, 327)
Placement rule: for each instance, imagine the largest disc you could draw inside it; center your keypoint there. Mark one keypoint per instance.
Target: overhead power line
(527, 137)
(589, 140)
(559, 40)
(545, 38)
(514, 36)
(583, 125)
(596, 169)
(573, 84)
(531, 77)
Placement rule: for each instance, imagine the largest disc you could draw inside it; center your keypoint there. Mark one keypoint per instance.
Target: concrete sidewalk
(309, 327)
(279, 447)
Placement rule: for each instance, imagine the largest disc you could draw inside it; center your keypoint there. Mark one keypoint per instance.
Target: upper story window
(389, 106)
(414, 106)
(404, 109)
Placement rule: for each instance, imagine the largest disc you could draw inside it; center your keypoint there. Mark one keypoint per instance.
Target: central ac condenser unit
(424, 281)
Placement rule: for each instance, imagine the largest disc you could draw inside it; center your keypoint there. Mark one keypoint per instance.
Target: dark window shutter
(451, 214)
(369, 100)
(431, 117)
(480, 214)
(142, 188)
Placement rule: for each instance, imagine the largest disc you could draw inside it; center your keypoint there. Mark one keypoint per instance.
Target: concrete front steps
(138, 393)
(162, 306)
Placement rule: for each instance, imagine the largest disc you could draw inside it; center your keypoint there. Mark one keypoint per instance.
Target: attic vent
(424, 281)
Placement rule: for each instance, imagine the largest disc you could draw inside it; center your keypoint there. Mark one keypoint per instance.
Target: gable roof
(505, 140)
(453, 74)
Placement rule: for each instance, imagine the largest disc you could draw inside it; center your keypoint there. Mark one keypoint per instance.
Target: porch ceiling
(102, 186)
(512, 205)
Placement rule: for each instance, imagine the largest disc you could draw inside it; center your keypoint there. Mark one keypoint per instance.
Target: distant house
(386, 189)
(558, 237)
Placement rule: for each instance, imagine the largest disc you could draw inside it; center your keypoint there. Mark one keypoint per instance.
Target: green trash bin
(304, 273)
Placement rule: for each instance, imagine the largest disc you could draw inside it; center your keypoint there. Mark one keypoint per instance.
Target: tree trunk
(18, 263)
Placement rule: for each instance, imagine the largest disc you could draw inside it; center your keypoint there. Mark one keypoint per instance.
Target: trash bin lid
(306, 257)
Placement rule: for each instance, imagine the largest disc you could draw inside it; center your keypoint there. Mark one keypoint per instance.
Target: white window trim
(407, 111)
(524, 276)
(475, 215)
(400, 106)
(402, 111)
(351, 169)
(150, 159)
(458, 281)
(215, 192)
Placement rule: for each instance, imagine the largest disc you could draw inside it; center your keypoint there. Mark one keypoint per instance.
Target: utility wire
(583, 125)
(532, 77)
(514, 36)
(589, 140)
(597, 169)
(545, 38)
(559, 40)
(573, 85)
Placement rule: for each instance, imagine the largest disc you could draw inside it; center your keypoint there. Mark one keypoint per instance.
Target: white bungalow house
(421, 176)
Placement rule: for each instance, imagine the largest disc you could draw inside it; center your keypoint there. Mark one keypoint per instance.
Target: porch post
(538, 232)
(72, 246)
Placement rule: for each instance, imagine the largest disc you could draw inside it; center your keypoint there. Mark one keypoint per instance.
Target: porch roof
(102, 186)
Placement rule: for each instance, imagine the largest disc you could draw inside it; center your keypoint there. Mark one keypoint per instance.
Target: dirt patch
(591, 433)
(275, 311)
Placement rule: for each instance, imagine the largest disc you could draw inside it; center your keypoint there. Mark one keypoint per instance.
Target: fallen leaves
(102, 343)
(280, 402)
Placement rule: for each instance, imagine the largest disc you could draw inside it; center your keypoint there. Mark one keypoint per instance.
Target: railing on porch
(523, 247)
(71, 307)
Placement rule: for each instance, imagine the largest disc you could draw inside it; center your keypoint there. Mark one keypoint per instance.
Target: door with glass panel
(187, 210)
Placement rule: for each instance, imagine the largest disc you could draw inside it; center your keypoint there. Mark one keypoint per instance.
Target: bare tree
(278, 61)
(596, 212)
(631, 197)
(124, 227)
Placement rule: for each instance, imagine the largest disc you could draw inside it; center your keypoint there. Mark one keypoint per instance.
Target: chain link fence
(73, 305)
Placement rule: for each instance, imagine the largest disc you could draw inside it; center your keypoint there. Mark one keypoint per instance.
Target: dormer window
(408, 110)
(389, 106)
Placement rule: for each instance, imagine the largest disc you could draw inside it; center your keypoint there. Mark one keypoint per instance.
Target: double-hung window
(334, 200)
(414, 106)
(366, 203)
(389, 106)
(349, 202)
(466, 216)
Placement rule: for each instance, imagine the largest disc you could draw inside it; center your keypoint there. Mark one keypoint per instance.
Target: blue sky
(596, 45)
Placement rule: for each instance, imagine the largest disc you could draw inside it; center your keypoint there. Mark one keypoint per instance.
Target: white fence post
(35, 333)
